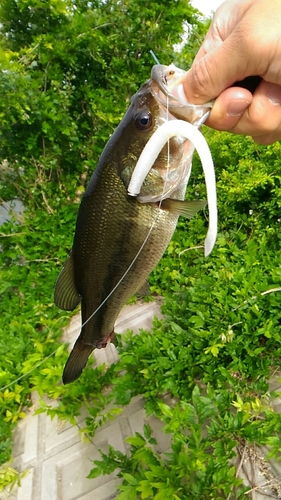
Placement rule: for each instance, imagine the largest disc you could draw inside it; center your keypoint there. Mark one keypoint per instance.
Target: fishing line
(133, 261)
(30, 371)
(33, 368)
(124, 275)
(154, 57)
(147, 236)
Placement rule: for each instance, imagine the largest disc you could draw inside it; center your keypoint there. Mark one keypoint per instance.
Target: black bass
(119, 239)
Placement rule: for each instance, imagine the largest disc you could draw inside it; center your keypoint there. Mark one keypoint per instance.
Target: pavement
(52, 452)
(58, 462)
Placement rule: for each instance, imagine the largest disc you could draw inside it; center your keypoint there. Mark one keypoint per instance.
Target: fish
(119, 238)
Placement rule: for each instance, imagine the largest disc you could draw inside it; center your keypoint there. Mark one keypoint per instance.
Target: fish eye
(143, 121)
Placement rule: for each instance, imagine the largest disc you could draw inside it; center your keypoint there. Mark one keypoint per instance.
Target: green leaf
(130, 479)
(147, 431)
(94, 473)
(136, 440)
(165, 409)
(145, 489)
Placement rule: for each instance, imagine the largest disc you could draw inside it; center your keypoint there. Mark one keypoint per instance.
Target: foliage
(197, 465)
(68, 70)
(214, 352)
(9, 478)
(192, 40)
(221, 337)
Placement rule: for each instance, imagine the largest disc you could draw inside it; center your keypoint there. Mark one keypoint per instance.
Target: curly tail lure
(152, 150)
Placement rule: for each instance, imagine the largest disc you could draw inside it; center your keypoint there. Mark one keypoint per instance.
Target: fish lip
(169, 108)
(159, 76)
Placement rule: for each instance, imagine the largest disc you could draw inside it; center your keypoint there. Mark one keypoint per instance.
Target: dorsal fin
(66, 296)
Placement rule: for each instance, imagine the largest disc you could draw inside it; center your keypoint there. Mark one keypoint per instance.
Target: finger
(262, 119)
(206, 81)
(222, 63)
(237, 110)
(228, 108)
(268, 139)
(226, 17)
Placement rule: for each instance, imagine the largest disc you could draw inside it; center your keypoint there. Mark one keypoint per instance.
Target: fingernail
(274, 93)
(237, 106)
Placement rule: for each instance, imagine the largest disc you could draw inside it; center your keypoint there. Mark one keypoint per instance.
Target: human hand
(244, 39)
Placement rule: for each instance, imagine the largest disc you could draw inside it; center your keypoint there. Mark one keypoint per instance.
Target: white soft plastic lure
(151, 151)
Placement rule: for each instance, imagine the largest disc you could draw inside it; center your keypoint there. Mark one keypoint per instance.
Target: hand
(244, 40)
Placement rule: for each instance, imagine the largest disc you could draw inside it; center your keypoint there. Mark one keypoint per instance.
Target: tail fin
(76, 361)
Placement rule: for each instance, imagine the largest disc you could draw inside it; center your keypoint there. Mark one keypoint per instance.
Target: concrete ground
(58, 462)
(56, 459)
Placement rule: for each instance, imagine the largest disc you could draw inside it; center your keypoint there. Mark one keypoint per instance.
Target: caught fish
(119, 238)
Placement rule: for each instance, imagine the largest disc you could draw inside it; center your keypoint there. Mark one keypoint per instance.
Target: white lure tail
(150, 153)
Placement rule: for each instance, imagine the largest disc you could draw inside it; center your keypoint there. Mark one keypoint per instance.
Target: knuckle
(202, 79)
(267, 139)
(263, 121)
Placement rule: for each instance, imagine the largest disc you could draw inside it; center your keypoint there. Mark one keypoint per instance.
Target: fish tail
(76, 362)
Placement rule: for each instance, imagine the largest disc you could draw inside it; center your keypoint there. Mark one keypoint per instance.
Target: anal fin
(144, 290)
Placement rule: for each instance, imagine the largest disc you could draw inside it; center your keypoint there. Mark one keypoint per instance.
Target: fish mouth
(160, 177)
(167, 78)
(167, 88)
(182, 120)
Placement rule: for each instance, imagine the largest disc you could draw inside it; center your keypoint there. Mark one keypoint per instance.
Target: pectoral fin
(185, 208)
(66, 296)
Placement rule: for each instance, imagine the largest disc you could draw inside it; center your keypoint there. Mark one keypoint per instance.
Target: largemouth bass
(119, 239)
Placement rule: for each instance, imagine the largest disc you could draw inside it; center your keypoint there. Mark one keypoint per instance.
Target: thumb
(217, 70)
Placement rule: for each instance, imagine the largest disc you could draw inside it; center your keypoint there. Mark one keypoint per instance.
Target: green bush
(220, 341)
(67, 75)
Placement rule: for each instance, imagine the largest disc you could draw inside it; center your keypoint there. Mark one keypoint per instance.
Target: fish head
(143, 117)
(159, 100)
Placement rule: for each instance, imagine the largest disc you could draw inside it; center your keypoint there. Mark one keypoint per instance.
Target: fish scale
(112, 227)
